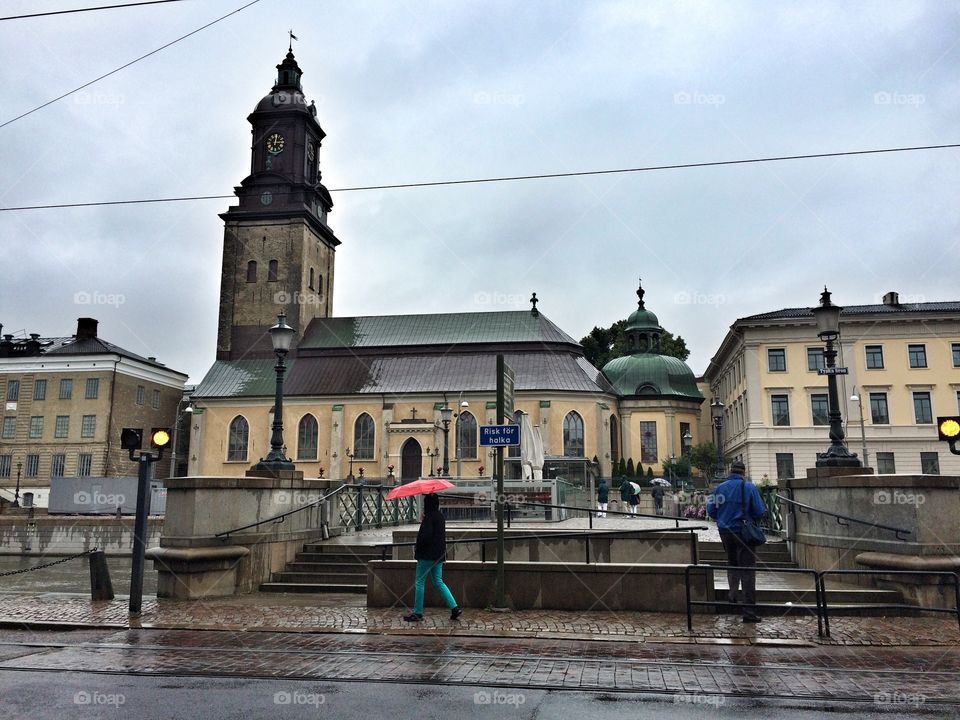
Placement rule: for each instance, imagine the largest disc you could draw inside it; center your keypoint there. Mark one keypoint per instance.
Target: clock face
(311, 153)
(275, 143)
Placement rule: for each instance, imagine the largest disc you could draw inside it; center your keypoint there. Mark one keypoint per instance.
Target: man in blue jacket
(735, 500)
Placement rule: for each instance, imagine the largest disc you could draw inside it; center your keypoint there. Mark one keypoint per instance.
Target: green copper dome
(652, 375)
(647, 372)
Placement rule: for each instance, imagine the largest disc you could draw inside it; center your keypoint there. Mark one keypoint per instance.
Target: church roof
(651, 374)
(442, 329)
(391, 373)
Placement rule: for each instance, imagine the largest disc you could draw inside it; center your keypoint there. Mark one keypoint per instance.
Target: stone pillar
(336, 442)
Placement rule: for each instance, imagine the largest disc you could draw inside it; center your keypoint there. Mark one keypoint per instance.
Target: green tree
(605, 344)
(630, 470)
(704, 458)
(649, 473)
(622, 468)
(677, 468)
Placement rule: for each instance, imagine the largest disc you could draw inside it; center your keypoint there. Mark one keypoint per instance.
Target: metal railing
(368, 507)
(282, 516)
(844, 520)
(817, 591)
(772, 522)
(820, 592)
(591, 512)
(548, 536)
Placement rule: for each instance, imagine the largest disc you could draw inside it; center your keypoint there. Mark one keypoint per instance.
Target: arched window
(363, 431)
(319, 284)
(252, 271)
(272, 271)
(307, 438)
(573, 435)
(311, 279)
(466, 436)
(239, 438)
(614, 439)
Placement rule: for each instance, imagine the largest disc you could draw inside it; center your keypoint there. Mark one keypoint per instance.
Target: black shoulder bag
(750, 532)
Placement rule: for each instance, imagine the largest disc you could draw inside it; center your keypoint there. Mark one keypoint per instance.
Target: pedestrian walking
(603, 497)
(733, 504)
(625, 491)
(430, 551)
(634, 498)
(657, 493)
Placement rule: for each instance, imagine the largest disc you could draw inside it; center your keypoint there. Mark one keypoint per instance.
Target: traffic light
(948, 429)
(131, 438)
(159, 437)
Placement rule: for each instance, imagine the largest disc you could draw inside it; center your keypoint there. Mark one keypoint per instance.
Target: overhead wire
(512, 178)
(126, 65)
(88, 9)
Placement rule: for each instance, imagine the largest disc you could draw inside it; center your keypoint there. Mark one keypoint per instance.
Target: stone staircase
(794, 592)
(325, 568)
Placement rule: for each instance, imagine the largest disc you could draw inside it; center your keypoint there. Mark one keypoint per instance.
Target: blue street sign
(498, 435)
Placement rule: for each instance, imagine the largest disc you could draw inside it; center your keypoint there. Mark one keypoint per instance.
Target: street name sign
(499, 435)
(833, 371)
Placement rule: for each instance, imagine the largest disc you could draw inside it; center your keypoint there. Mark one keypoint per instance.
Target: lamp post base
(275, 469)
(838, 456)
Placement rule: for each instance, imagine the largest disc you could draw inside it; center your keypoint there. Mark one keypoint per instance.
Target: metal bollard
(100, 586)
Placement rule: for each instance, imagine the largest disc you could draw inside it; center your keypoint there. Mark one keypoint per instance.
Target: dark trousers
(743, 583)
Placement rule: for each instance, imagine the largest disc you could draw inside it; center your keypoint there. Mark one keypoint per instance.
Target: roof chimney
(892, 299)
(86, 328)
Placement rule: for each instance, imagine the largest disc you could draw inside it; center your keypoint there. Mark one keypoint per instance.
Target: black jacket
(432, 537)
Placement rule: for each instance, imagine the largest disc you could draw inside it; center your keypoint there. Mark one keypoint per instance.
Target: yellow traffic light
(949, 428)
(160, 437)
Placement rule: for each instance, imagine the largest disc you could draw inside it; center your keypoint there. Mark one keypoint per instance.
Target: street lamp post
(16, 495)
(350, 457)
(433, 456)
(827, 316)
(176, 435)
(281, 335)
(863, 432)
(446, 415)
(716, 412)
(459, 447)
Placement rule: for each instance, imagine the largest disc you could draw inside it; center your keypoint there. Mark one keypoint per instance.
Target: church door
(411, 461)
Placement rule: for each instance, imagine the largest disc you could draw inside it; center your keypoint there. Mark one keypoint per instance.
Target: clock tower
(278, 251)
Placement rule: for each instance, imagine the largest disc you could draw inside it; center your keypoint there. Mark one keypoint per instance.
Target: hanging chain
(49, 564)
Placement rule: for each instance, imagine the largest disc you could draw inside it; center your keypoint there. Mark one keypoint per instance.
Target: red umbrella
(419, 487)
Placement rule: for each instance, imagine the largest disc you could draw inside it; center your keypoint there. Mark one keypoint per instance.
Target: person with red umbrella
(429, 553)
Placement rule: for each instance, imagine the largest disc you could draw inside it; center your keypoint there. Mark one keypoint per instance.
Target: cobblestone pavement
(891, 678)
(346, 613)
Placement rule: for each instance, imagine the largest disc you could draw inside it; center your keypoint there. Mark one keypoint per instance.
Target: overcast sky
(446, 90)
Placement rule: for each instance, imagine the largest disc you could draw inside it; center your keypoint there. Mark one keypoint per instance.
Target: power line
(509, 178)
(126, 65)
(88, 9)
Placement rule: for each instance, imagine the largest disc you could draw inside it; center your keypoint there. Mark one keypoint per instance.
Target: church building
(369, 393)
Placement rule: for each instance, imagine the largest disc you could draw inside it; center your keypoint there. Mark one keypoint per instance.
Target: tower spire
(640, 293)
(292, 38)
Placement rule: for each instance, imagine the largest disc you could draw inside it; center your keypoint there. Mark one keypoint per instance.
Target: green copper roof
(517, 326)
(649, 374)
(642, 320)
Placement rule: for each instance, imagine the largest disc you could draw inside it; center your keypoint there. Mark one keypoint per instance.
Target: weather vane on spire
(640, 292)
(292, 38)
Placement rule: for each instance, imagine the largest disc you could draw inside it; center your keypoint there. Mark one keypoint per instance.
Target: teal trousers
(433, 569)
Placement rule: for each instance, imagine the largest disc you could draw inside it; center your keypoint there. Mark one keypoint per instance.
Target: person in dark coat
(430, 551)
(603, 497)
(657, 493)
(734, 501)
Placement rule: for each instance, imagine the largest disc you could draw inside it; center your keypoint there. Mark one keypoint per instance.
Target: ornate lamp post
(281, 335)
(446, 416)
(350, 457)
(716, 412)
(16, 495)
(827, 316)
(433, 456)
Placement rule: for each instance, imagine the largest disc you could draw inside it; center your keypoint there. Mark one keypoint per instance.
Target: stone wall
(548, 586)
(70, 534)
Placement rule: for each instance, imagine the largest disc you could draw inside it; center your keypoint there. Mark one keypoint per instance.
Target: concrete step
(340, 549)
(338, 559)
(760, 563)
(343, 568)
(319, 577)
(845, 596)
(281, 587)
